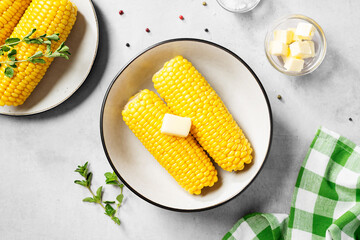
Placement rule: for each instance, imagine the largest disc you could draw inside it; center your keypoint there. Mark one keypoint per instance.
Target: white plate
(241, 92)
(64, 77)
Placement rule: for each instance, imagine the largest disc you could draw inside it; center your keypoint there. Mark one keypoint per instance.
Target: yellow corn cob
(50, 17)
(188, 94)
(183, 158)
(10, 14)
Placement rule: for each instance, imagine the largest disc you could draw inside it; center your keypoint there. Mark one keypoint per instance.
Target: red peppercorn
(147, 30)
(121, 12)
(181, 17)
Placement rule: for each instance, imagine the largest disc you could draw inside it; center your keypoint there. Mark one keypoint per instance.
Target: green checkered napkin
(326, 200)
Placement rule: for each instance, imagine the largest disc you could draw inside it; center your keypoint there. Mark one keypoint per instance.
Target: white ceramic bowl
(64, 77)
(238, 87)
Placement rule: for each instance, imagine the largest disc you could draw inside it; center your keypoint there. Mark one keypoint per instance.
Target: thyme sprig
(112, 179)
(9, 50)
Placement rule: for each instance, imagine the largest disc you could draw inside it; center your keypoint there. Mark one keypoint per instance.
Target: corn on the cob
(50, 17)
(10, 14)
(188, 94)
(183, 158)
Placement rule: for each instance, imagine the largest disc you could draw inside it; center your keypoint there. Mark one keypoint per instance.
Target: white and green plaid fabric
(326, 200)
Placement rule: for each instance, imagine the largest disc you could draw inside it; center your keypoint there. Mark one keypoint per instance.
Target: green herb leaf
(60, 47)
(99, 192)
(88, 199)
(54, 37)
(54, 54)
(36, 41)
(88, 178)
(5, 48)
(109, 202)
(37, 60)
(64, 49)
(37, 55)
(111, 178)
(1, 52)
(120, 198)
(47, 42)
(80, 182)
(82, 169)
(9, 72)
(109, 210)
(12, 41)
(116, 220)
(42, 36)
(31, 33)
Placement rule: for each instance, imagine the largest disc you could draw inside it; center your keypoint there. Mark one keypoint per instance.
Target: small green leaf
(109, 202)
(109, 210)
(1, 52)
(31, 33)
(12, 58)
(64, 56)
(36, 60)
(64, 49)
(116, 220)
(88, 178)
(99, 192)
(37, 55)
(120, 198)
(60, 47)
(47, 42)
(54, 37)
(88, 199)
(111, 178)
(9, 72)
(82, 183)
(54, 54)
(36, 41)
(12, 52)
(42, 36)
(5, 48)
(12, 41)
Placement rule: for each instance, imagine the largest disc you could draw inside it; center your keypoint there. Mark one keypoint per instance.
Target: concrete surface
(39, 153)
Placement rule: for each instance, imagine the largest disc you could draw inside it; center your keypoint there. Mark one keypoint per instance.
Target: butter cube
(284, 36)
(312, 46)
(175, 126)
(295, 37)
(302, 50)
(278, 48)
(294, 64)
(305, 31)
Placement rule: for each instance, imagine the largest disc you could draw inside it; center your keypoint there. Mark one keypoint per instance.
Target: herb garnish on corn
(188, 94)
(182, 157)
(48, 17)
(9, 50)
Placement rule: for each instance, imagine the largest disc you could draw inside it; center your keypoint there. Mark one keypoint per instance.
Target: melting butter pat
(175, 126)
(305, 31)
(284, 36)
(303, 49)
(294, 64)
(278, 48)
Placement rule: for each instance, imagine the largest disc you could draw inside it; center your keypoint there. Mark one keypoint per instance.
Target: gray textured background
(38, 154)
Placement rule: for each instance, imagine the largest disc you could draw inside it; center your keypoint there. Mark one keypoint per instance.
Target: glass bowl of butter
(295, 45)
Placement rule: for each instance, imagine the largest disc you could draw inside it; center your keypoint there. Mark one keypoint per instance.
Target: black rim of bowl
(131, 61)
